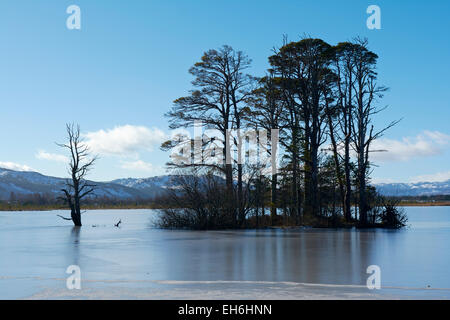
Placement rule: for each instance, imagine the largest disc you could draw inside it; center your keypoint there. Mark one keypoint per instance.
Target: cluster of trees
(321, 101)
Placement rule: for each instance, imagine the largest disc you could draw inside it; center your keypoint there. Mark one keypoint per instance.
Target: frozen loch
(138, 261)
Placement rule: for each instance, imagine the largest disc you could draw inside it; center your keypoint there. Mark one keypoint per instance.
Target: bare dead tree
(77, 187)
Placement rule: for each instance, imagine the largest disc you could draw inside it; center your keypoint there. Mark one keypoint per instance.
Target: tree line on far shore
(322, 99)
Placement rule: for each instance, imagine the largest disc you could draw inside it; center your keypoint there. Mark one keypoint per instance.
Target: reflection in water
(307, 256)
(39, 244)
(272, 255)
(73, 246)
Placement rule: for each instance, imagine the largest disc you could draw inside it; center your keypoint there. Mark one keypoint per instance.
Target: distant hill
(151, 187)
(414, 189)
(24, 183)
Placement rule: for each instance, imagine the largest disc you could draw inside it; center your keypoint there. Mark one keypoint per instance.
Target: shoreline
(425, 204)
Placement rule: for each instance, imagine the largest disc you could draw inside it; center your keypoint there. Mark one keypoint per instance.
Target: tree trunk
(230, 205)
(348, 186)
(230, 196)
(76, 213)
(273, 204)
(362, 190)
(295, 204)
(307, 182)
(240, 200)
(337, 165)
(315, 205)
(76, 218)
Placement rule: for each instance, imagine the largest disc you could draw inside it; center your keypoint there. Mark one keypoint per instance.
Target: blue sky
(119, 74)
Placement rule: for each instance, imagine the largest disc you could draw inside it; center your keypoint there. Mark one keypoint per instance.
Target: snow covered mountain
(156, 184)
(414, 189)
(25, 183)
(152, 187)
(147, 183)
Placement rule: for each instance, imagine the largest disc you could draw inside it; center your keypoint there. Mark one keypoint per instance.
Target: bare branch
(69, 219)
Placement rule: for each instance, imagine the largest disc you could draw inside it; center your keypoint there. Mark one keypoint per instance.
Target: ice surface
(137, 261)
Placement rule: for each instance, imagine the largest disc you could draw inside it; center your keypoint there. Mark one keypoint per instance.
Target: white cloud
(438, 137)
(428, 143)
(51, 156)
(435, 177)
(15, 166)
(124, 140)
(142, 166)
